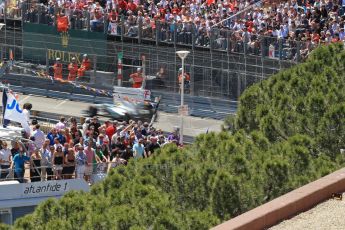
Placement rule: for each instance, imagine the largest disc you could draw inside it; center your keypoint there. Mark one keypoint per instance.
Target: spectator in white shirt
(61, 124)
(5, 161)
(86, 125)
(39, 136)
(26, 111)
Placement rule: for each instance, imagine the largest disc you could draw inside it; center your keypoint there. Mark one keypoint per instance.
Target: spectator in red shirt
(132, 6)
(137, 78)
(111, 129)
(123, 6)
(161, 10)
(113, 15)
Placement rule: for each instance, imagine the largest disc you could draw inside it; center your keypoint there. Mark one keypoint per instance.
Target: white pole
(119, 69)
(182, 102)
(143, 85)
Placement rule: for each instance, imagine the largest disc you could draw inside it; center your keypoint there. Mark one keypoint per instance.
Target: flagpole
(4, 103)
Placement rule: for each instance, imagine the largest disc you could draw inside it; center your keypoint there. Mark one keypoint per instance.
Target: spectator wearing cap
(57, 67)
(102, 139)
(81, 161)
(137, 78)
(73, 70)
(139, 150)
(85, 66)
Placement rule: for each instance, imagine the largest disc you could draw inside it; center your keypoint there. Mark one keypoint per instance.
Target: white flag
(113, 28)
(13, 112)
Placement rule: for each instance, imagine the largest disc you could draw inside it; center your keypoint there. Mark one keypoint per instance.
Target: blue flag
(5, 122)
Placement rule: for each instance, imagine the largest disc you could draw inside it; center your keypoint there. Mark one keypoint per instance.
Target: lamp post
(182, 54)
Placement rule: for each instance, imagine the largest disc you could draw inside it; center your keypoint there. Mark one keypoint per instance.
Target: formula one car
(123, 111)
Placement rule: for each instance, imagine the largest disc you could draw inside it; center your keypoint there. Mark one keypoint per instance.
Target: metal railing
(190, 34)
(33, 173)
(217, 74)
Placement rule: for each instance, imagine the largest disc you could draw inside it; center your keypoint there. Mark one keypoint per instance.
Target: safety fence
(168, 32)
(190, 36)
(143, 30)
(213, 74)
(206, 107)
(38, 169)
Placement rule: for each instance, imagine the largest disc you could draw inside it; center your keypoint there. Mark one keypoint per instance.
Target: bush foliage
(288, 131)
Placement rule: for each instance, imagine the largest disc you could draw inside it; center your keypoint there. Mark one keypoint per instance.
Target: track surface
(192, 125)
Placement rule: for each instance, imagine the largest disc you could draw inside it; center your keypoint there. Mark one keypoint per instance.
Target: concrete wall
(288, 205)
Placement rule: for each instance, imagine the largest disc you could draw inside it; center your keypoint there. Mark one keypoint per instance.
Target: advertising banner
(131, 94)
(42, 42)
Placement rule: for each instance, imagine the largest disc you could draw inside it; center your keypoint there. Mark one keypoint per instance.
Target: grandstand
(225, 58)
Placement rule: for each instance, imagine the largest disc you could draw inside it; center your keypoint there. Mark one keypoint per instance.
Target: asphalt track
(193, 126)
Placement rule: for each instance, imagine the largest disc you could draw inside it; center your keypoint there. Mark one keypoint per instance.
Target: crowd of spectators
(70, 150)
(234, 25)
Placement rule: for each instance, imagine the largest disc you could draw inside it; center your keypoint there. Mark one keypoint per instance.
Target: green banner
(43, 42)
(120, 55)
